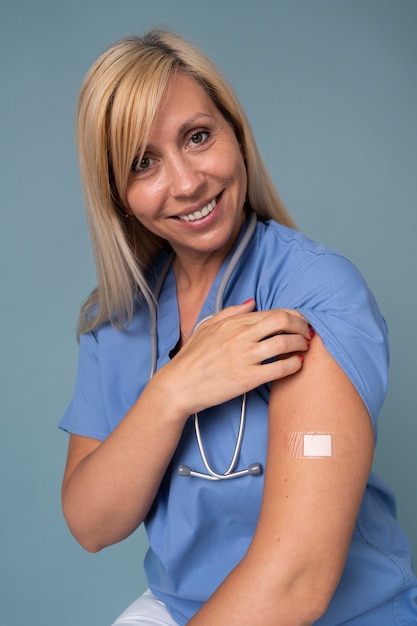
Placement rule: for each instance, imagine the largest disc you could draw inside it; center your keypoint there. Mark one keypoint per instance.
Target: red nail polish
(312, 333)
(301, 357)
(308, 343)
(246, 301)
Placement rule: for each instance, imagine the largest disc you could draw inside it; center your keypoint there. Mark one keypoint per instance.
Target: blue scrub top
(199, 530)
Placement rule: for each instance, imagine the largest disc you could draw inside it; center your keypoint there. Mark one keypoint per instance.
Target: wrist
(166, 398)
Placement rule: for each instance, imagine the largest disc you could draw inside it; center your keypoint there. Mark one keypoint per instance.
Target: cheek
(143, 198)
(230, 166)
(242, 174)
(236, 158)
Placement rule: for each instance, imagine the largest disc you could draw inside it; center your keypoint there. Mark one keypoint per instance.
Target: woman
(189, 233)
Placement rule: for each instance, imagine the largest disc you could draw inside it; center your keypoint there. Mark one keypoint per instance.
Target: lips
(198, 215)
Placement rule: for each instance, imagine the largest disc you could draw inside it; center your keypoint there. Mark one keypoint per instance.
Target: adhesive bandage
(312, 445)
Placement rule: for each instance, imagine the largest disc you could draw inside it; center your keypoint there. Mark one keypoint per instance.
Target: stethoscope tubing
(183, 470)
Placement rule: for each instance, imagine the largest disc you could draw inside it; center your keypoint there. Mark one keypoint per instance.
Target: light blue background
(331, 90)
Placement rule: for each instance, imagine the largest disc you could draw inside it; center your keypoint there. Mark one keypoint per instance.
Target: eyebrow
(199, 116)
(192, 120)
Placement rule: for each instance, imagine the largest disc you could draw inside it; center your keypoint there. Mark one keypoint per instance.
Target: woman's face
(190, 186)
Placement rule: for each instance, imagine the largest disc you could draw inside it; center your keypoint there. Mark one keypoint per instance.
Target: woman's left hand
(234, 352)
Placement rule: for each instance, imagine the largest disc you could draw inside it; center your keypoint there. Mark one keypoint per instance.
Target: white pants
(146, 611)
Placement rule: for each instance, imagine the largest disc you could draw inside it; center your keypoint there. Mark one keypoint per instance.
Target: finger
(230, 311)
(237, 309)
(280, 346)
(296, 313)
(282, 368)
(277, 321)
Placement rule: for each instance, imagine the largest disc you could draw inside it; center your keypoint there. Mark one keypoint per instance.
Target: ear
(124, 210)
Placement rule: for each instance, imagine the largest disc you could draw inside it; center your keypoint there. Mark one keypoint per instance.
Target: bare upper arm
(79, 447)
(310, 504)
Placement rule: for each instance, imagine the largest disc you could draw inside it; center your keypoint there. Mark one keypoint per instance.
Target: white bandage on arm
(313, 445)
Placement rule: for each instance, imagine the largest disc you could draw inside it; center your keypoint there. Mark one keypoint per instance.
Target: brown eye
(199, 137)
(142, 165)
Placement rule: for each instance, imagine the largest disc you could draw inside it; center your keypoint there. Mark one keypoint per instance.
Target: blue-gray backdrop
(330, 88)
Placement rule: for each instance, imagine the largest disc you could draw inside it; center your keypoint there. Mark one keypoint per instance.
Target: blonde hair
(118, 103)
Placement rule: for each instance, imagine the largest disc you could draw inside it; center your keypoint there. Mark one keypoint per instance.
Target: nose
(186, 178)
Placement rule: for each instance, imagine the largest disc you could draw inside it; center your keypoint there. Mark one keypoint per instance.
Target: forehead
(185, 100)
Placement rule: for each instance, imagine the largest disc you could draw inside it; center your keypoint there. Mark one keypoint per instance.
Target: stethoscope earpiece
(255, 469)
(184, 470)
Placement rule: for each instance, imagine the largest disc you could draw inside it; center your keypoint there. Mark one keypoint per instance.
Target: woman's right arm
(109, 486)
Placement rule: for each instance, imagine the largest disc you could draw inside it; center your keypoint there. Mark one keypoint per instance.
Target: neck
(194, 269)
(195, 277)
(193, 285)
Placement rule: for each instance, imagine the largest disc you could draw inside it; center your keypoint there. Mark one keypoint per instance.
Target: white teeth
(197, 215)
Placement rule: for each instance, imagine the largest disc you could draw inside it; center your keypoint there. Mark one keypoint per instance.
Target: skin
(292, 568)
(192, 158)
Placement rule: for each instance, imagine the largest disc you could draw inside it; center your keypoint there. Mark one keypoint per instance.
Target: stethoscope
(183, 470)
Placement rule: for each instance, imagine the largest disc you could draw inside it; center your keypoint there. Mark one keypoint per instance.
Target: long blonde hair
(118, 103)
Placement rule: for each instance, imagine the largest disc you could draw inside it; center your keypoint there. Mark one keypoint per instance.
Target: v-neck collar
(168, 322)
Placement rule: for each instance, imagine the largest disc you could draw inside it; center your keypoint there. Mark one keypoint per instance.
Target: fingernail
(312, 333)
(247, 301)
(301, 357)
(308, 343)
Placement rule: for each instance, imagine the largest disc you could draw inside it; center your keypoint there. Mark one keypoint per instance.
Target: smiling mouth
(198, 215)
